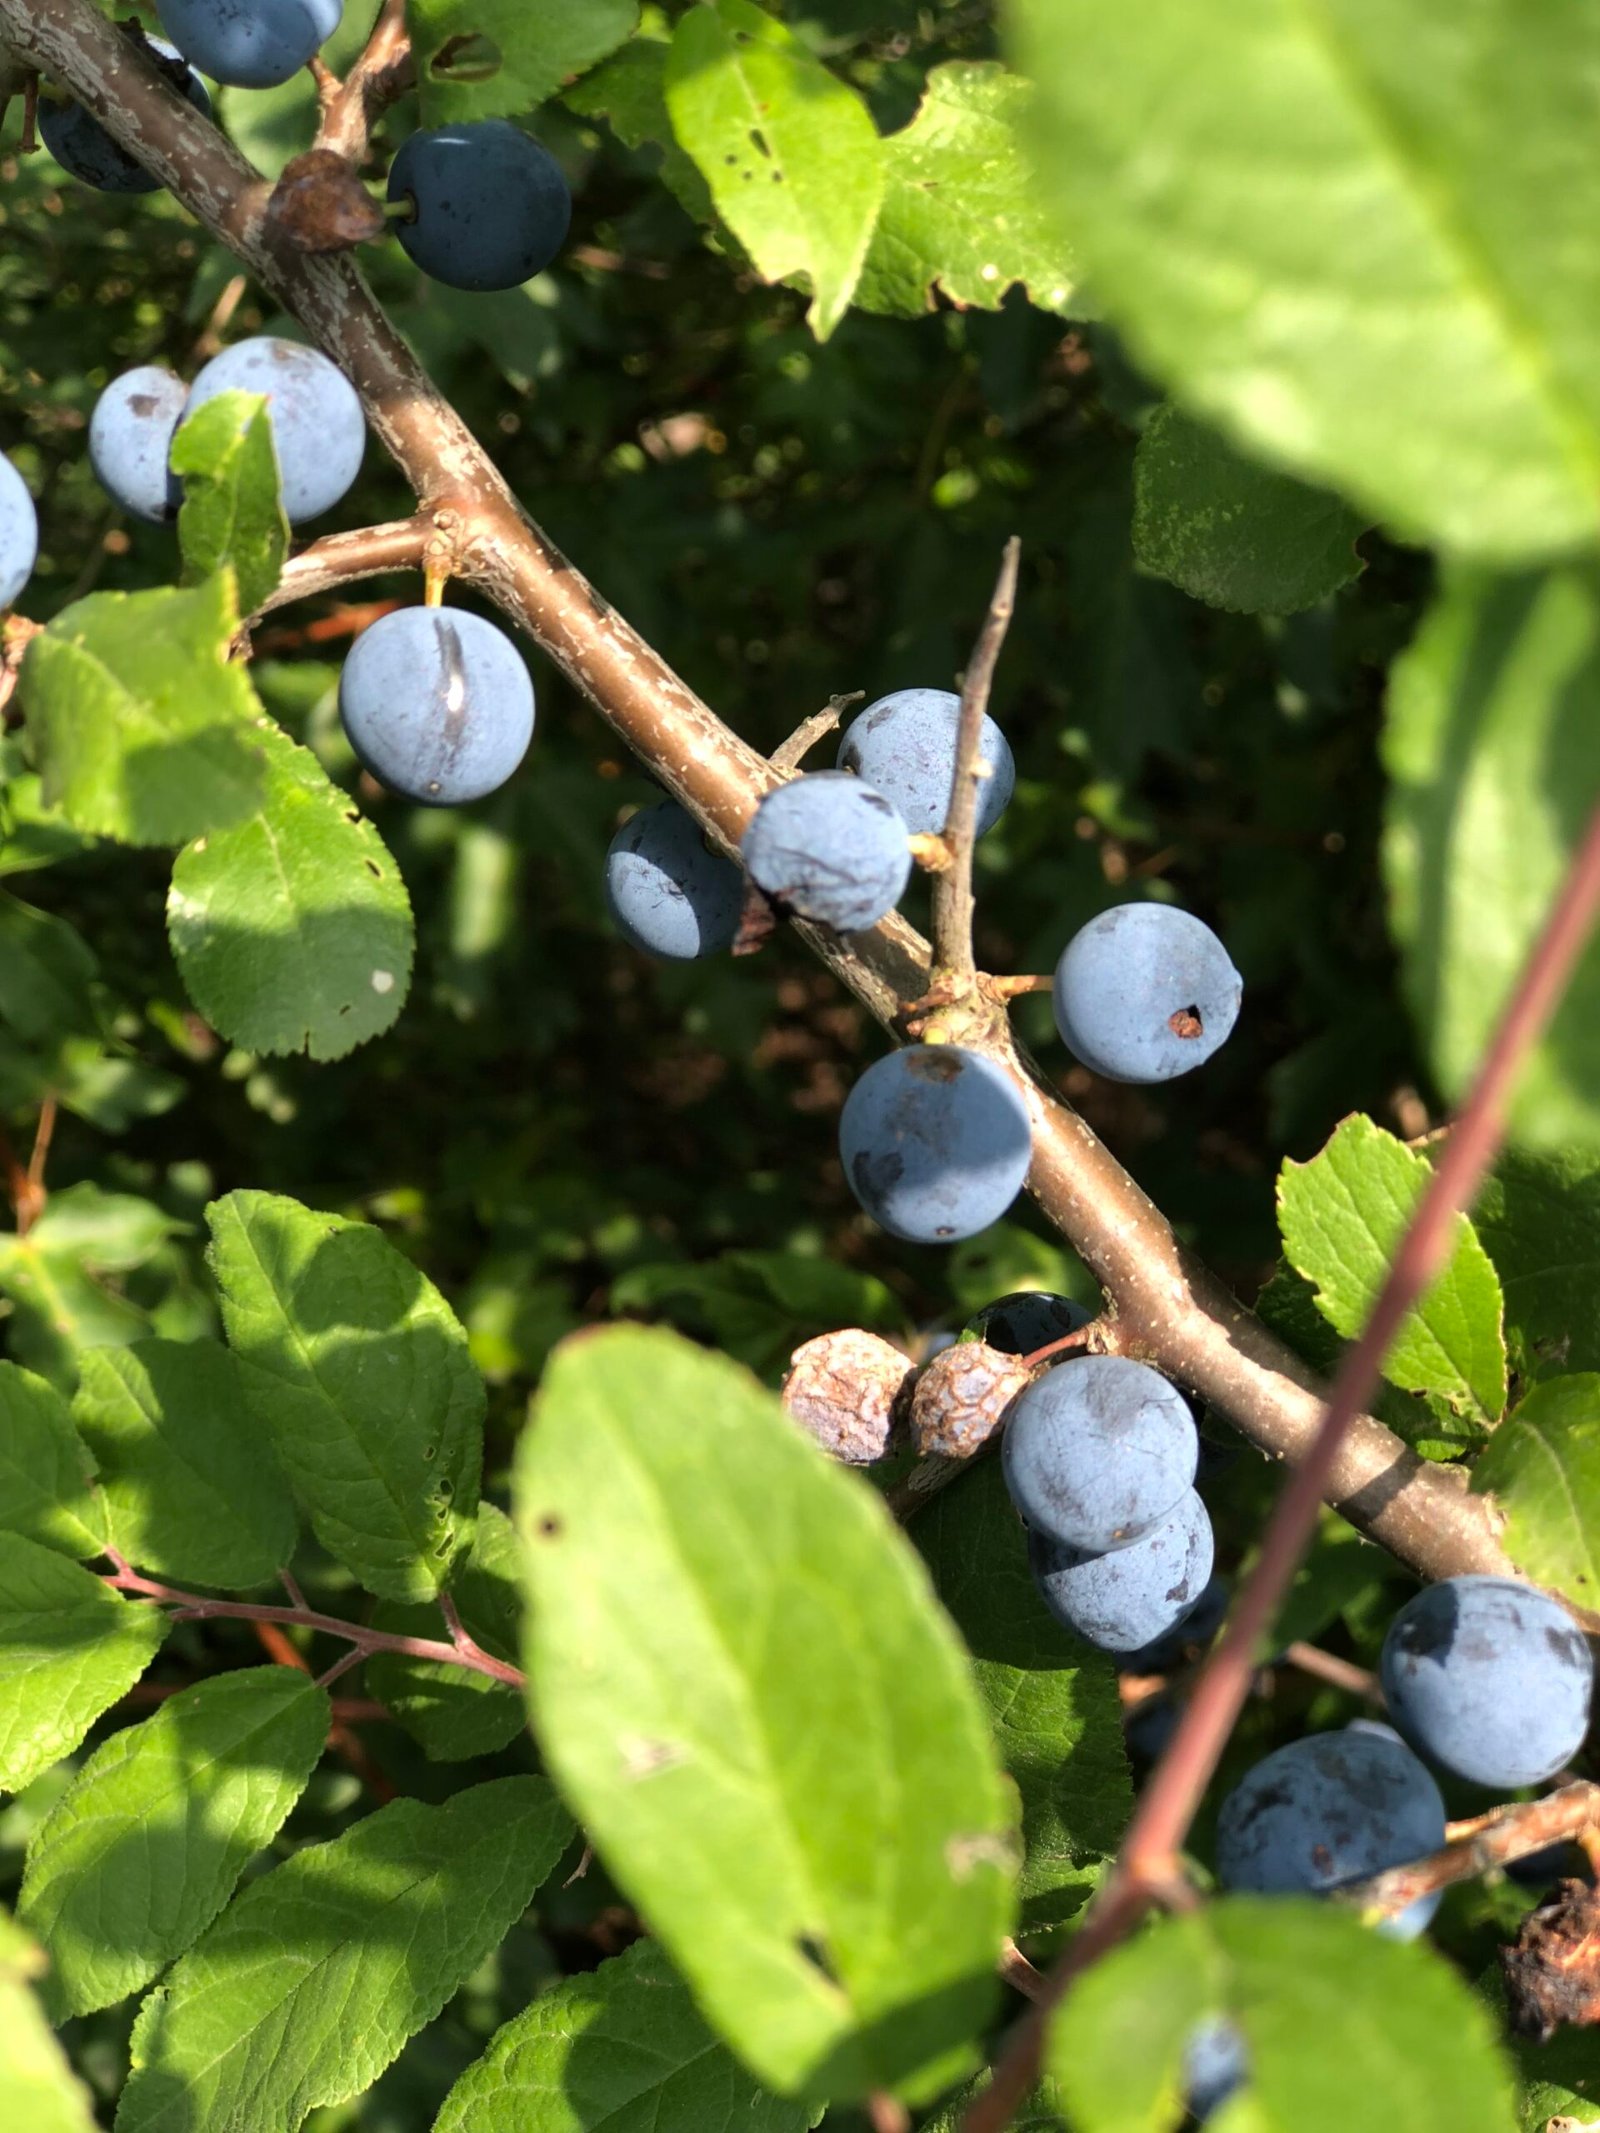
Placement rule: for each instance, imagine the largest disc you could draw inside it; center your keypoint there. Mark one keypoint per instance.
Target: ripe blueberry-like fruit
(667, 891)
(905, 746)
(1490, 1678)
(1025, 1321)
(437, 704)
(1121, 1600)
(130, 441)
(1329, 1809)
(318, 429)
(19, 533)
(935, 1142)
(1098, 1451)
(251, 44)
(1197, 1625)
(1215, 2063)
(82, 146)
(1145, 992)
(827, 847)
(490, 206)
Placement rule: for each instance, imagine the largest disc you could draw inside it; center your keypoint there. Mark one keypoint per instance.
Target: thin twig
(1508, 1834)
(952, 894)
(382, 73)
(44, 1134)
(887, 2114)
(1019, 1973)
(1338, 1673)
(330, 1675)
(790, 754)
(198, 1607)
(1165, 1810)
(340, 559)
(291, 1585)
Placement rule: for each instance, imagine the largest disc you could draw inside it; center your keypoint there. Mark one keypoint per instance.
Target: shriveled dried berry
(1552, 1971)
(844, 1389)
(961, 1398)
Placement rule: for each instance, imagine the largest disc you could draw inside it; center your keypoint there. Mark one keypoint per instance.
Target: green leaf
(496, 58)
(1560, 2082)
(452, 1713)
(314, 1977)
(292, 930)
(143, 728)
(1039, 2113)
(630, 90)
(1342, 1216)
(1543, 1467)
(1343, 2028)
(1493, 763)
(1052, 1703)
(1306, 219)
(741, 1680)
(368, 1391)
(757, 1306)
(232, 515)
(45, 1468)
(1231, 532)
(47, 973)
(39, 2091)
(58, 1276)
(621, 2048)
(1539, 1217)
(962, 206)
(69, 1647)
(191, 1488)
(146, 1845)
(789, 151)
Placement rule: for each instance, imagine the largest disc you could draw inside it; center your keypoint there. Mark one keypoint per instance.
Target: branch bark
(1170, 1310)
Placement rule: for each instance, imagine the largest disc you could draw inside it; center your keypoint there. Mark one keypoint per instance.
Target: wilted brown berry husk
(845, 1389)
(961, 1398)
(1552, 1969)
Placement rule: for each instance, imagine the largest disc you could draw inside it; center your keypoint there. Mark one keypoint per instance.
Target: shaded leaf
(192, 1489)
(1539, 1217)
(69, 1647)
(142, 728)
(493, 58)
(292, 930)
(314, 1977)
(145, 1846)
(1543, 1467)
(360, 1373)
(1231, 532)
(450, 1711)
(621, 2048)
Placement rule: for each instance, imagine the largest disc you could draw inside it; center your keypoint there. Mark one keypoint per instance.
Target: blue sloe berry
(667, 892)
(490, 205)
(130, 441)
(437, 704)
(1025, 1321)
(19, 533)
(1490, 1678)
(905, 746)
(84, 149)
(1330, 1809)
(1145, 992)
(828, 848)
(318, 429)
(250, 44)
(1120, 1600)
(1097, 1451)
(1215, 2063)
(935, 1142)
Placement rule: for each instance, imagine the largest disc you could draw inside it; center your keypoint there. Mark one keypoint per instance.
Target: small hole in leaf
(430, 1451)
(470, 57)
(549, 1527)
(816, 1954)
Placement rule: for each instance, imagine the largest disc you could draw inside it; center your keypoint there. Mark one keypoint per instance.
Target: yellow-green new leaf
(39, 2092)
(1342, 1216)
(790, 152)
(742, 1681)
(144, 729)
(1542, 1466)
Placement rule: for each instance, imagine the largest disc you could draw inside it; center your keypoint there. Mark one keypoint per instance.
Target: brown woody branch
(952, 888)
(1513, 1833)
(383, 72)
(1169, 1308)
